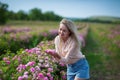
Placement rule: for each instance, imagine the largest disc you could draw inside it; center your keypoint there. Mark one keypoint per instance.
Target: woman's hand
(52, 53)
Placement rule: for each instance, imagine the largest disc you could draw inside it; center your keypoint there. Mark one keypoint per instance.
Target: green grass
(102, 53)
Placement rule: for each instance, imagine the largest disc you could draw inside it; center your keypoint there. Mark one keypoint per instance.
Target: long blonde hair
(73, 30)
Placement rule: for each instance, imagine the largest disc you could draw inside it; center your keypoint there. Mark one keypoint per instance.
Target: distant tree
(57, 17)
(33, 14)
(11, 15)
(21, 15)
(51, 16)
(3, 10)
(36, 14)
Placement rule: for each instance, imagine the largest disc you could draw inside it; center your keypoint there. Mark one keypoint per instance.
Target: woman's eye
(60, 29)
(64, 30)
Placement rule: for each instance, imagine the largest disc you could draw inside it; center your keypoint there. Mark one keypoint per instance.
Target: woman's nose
(61, 31)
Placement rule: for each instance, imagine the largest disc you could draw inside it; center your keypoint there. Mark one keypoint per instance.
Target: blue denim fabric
(79, 69)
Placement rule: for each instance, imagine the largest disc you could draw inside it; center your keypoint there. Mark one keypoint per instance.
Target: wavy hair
(73, 30)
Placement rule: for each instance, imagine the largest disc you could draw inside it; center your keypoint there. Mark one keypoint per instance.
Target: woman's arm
(53, 53)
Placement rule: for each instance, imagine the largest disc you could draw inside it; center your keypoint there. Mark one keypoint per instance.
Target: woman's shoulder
(57, 38)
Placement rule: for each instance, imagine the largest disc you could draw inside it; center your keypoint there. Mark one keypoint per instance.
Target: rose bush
(32, 64)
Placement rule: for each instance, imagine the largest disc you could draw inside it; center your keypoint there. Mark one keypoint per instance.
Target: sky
(69, 8)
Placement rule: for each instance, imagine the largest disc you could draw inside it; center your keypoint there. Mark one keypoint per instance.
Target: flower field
(21, 36)
(103, 52)
(28, 62)
(23, 46)
(32, 64)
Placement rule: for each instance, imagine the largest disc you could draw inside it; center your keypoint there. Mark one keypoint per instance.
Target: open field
(102, 48)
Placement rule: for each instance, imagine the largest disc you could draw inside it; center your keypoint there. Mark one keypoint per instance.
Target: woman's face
(63, 32)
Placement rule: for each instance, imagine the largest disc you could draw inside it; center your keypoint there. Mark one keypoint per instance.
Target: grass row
(102, 54)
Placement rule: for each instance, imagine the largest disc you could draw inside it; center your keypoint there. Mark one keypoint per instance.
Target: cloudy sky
(69, 8)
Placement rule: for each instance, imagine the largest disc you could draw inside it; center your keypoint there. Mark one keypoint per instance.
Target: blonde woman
(67, 45)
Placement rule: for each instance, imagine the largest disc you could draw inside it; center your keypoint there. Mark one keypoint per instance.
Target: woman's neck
(65, 39)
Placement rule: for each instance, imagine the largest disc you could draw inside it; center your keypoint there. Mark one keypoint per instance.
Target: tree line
(34, 14)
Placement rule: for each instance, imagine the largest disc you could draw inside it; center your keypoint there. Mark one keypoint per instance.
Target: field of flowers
(24, 36)
(23, 56)
(103, 51)
(31, 63)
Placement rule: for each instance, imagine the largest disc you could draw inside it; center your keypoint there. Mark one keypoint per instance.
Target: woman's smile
(63, 32)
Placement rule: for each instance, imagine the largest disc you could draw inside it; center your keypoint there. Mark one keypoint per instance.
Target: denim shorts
(79, 69)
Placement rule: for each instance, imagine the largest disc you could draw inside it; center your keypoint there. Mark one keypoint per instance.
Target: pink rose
(30, 63)
(20, 78)
(40, 75)
(32, 69)
(46, 78)
(50, 69)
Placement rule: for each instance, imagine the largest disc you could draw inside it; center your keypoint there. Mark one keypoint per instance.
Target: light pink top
(68, 51)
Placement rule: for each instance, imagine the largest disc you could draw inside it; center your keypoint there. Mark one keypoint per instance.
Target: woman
(67, 45)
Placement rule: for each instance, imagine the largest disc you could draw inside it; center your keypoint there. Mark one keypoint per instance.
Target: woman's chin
(63, 37)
